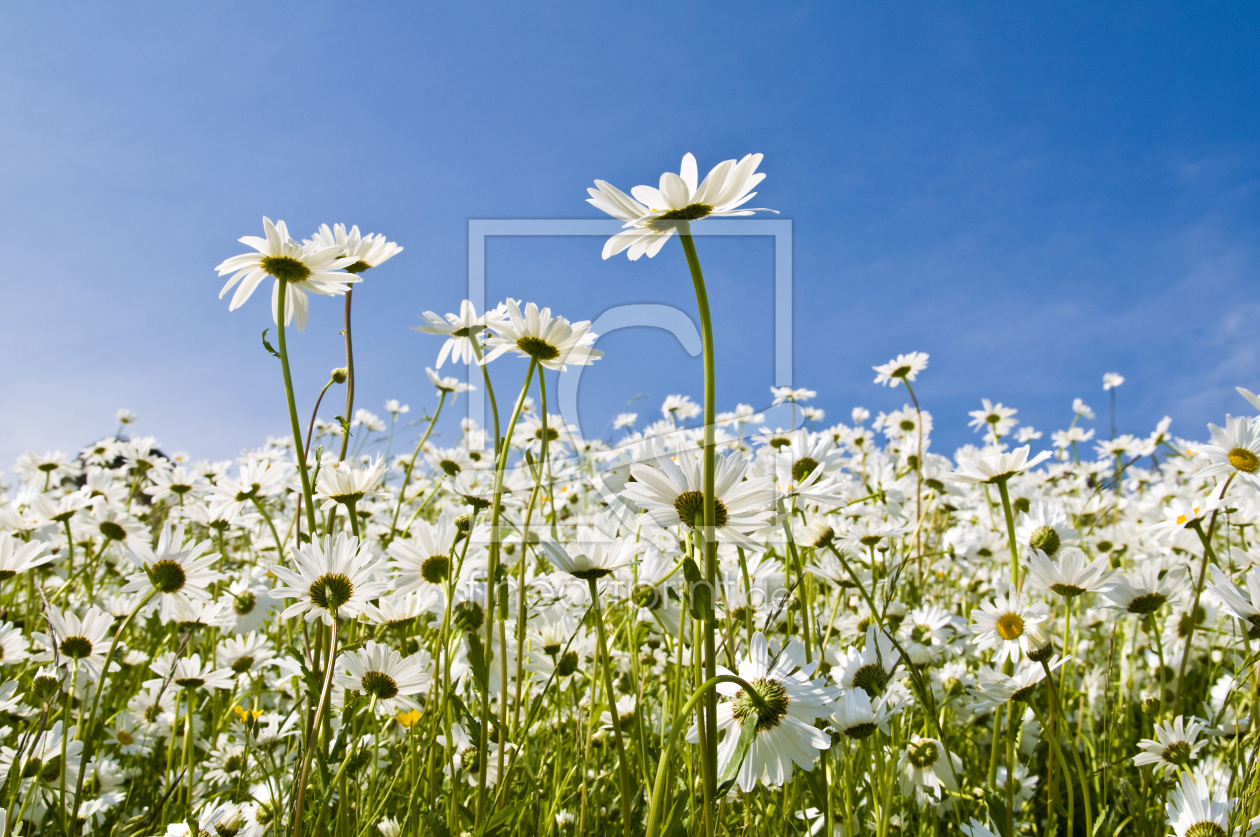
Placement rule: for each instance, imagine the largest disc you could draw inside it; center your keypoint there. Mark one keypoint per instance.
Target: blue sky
(1034, 196)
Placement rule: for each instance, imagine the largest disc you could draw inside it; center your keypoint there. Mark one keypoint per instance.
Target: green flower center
(690, 504)
(5, 575)
(469, 616)
(922, 754)
(537, 348)
(331, 590)
(233, 763)
(357, 267)
(113, 531)
(552, 434)
(285, 269)
(243, 665)
(1207, 828)
(168, 576)
(646, 595)
(189, 682)
(468, 760)
(244, 603)
(124, 738)
(76, 647)
(665, 221)
(435, 568)
(380, 685)
(1147, 603)
(775, 699)
(1067, 591)
(568, 664)
(1244, 460)
(1022, 695)
(802, 468)
(450, 466)
(1045, 539)
(859, 731)
(1177, 753)
(871, 678)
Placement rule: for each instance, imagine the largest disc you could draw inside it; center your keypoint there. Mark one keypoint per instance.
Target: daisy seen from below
(871, 667)
(923, 764)
(1071, 575)
(385, 675)
(460, 329)
(993, 466)
(593, 556)
(452, 385)
(552, 341)
(347, 482)
(1195, 811)
(1008, 626)
(1143, 590)
(17, 557)
(858, 717)
(180, 573)
(653, 215)
(335, 577)
(367, 251)
(1175, 745)
(423, 560)
(1242, 605)
(1045, 527)
(300, 268)
(671, 492)
(792, 702)
(76, 641)
(901, 369)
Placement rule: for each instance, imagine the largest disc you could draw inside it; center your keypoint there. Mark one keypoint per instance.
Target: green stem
(281, 297)
(710, 504)
(310, 736)
(1010, 531)
(402, 492)
(349, 415)
(610, 697)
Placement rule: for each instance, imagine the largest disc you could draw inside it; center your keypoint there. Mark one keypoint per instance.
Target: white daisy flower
(452, 385)
(383, 673)
(333, 578)
(923, 765)
(1009, 626)
(14, 647)
(871, 667)
(189, 673)
(180, 572)
(348, 482)
(460, 330)
(1045, 526)
(1142, 590)
(991, 466)
(652, 214)
(367, 251)
(552, 341)
(1242, 605)
(83, 640)
(901, 368)
(314, 268)
(18, 557)
(1175, 746)
(792, 702)
(1070, 576)
(423, 559)
(593, 556)
(857, 717)
(1194, 811)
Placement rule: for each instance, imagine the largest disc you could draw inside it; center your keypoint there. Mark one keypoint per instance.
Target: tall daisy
(460, 331)
(901, 368)
(1235, 449)
(1242, 605)
(870, 668)
(551, 340)
(651, 215)
(791, 703)
(82, 640)
(1175, 745)
(332, 578)
(1070, 576)
(991, 466)
(383, 673)
(17, 557)
(593, 556)
(423, 559)
(924, 766)
(368, 251)
(1143, 590)
(310, 268)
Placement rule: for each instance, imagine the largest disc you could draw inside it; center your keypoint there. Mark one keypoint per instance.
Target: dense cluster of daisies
(706, 626)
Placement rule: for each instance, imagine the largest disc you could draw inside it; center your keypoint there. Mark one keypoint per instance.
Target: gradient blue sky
(1033, 195)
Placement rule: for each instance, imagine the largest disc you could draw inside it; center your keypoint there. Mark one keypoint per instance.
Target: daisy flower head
(1180, 514)
(923, 765)
(301, 268)
(368, 251)
(1082, 409)
(1045, 527)
(423, 560)
(14, 646)
(460, 330)
(1195, 811)
(790, 702)
(189, 673)
(348, 482)
(1175, 745)
(901, 368)
(653, 215)
(995, 418)
(18, 557)
(335, 577)
(783, 395)
(448, 384)
(1111, 380)
(1144, 590)
(1244, 606)
(857, 716)
(1009, 626)
(1070, 576)
(552, 341)
(180, 573)
(1235, 449)
(870, 668)
(992, 466)
(76, 640)
(385, 674)
(593, 555)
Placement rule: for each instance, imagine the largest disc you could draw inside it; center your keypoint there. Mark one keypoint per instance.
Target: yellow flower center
(1010, 626)
(1244, 460)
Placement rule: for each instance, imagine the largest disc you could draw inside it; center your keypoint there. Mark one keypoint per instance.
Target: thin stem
(1010, 531)
(310, 736)
(282, 296)
(610, 697)
(349, 414)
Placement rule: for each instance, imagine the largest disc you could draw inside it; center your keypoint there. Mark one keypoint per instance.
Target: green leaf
(997, 812)
(499, 821)
(268, 346)
(473, 725)
(701, 593)
(435, 824)
(747, 734)
(477, 660)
